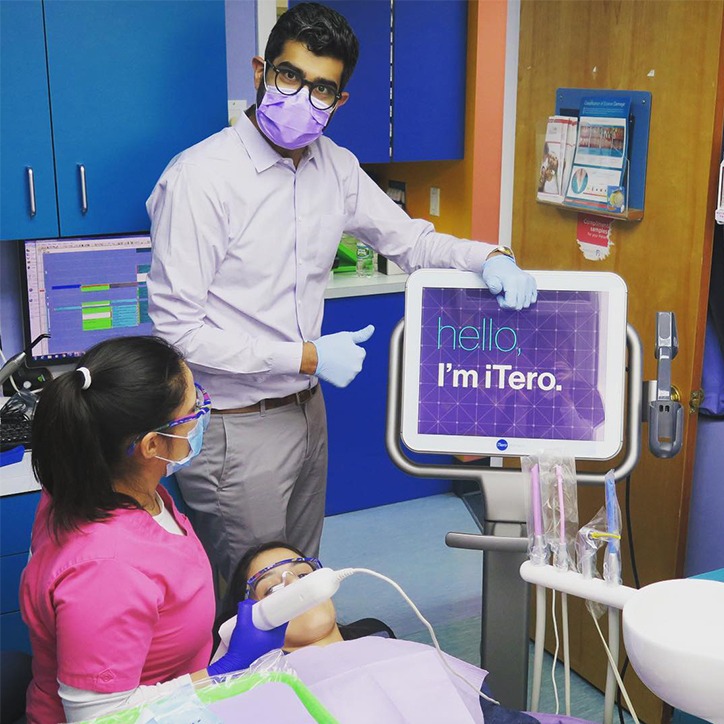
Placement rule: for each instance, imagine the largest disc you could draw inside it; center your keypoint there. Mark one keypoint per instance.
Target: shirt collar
(262, 155)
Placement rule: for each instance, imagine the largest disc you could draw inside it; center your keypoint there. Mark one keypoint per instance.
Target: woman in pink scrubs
(118, 593)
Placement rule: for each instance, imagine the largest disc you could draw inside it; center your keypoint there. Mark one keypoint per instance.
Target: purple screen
(490, 372)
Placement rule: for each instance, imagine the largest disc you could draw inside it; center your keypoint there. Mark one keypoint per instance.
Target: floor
(406, 542)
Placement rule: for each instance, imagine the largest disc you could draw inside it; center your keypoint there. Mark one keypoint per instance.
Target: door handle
(83, 190)
(31, 189)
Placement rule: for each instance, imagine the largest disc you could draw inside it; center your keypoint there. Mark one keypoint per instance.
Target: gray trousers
(259, 477)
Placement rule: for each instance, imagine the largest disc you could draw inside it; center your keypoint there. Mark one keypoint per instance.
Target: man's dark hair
(322, 30)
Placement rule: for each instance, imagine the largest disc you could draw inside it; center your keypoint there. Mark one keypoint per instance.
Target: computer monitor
(83, 291)
(482, 380)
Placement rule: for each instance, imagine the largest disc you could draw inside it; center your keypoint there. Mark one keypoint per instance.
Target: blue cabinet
(363, 124)
(407, 94)
(26, 148)
(17, 513)
(128, 85)
(361, 474)
(429, 70)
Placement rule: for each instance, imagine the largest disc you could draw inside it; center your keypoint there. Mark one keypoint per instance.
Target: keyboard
(14, 431)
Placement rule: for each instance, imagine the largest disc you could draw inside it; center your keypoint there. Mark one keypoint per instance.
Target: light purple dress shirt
(243, 244)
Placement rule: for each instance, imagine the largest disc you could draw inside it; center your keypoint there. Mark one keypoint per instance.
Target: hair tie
(86, 377)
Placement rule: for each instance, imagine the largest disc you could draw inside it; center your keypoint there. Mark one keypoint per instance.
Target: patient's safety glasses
(202, 408)
(274, 577)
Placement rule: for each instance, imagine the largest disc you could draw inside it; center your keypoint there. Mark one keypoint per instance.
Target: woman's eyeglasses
(202, 408)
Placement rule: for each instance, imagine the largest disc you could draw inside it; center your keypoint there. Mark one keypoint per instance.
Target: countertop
(350, 285)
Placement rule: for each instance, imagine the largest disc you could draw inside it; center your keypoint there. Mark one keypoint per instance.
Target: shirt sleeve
(105, 614)
(190, 234)
(82, 705)
(411, 243)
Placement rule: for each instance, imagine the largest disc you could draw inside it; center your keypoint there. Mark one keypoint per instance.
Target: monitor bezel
(615, 356)
(32, 361)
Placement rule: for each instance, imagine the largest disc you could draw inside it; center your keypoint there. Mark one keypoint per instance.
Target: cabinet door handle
(31, 189)
(83, 190)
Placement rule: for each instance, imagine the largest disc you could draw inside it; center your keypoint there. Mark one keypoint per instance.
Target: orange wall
(487, 110)
(470, 188)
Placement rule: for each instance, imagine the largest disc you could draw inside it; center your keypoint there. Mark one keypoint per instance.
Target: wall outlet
(434, 201)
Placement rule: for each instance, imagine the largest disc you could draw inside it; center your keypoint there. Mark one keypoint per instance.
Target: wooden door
(672, 48)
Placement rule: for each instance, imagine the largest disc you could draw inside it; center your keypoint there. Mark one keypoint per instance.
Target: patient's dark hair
(322, 30)
(237, 586)
(80, 437)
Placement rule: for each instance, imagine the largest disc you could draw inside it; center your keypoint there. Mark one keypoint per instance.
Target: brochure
(550, 187)
(560, 142)
(570, 148)
(598, 175)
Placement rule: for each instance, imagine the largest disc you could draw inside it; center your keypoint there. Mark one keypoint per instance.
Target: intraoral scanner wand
(297, 598)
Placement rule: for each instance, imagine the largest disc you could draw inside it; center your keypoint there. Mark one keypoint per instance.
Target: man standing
(245, 229)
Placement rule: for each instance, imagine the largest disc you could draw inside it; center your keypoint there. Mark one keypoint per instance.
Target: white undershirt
(166, 520)
(80, 704)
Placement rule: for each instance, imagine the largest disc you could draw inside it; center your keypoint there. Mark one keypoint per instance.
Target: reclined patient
(266, 567)
(361, 678)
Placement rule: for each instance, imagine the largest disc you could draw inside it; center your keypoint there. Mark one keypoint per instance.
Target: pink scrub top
(114, 605)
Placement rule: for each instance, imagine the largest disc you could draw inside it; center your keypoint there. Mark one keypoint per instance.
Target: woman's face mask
(290, 121)
(195, 439)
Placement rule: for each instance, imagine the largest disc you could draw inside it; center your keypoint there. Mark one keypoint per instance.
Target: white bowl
(674, 636)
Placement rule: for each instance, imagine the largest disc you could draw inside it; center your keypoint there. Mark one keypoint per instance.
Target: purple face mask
(290, 121)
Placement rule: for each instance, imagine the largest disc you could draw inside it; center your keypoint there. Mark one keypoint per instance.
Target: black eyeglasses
(289, 82)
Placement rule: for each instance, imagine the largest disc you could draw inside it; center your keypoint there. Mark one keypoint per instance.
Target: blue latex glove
(501, 274)
(247, 642)
(339, 356)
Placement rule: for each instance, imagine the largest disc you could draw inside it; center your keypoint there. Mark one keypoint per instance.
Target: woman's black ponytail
(86, 420)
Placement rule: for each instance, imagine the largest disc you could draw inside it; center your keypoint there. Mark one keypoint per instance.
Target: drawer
(17, 513)
(14, 633)
(11, 568)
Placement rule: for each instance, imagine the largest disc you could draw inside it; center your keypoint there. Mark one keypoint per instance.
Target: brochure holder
(569, 102)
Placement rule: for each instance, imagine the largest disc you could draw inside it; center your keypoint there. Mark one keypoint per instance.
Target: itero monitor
(82, 291)
(478, 379)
